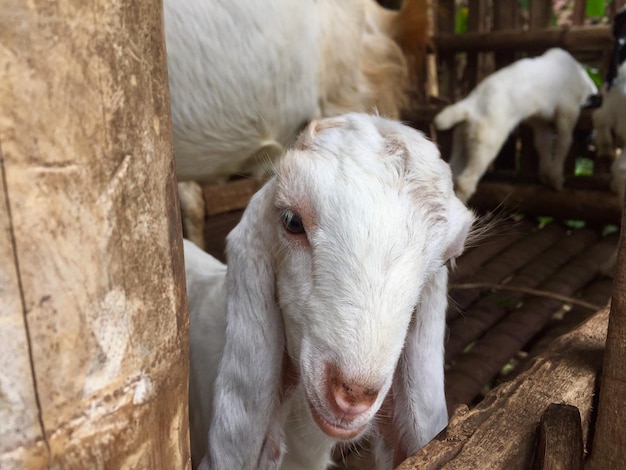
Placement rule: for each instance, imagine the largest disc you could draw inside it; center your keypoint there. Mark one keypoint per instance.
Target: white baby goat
(246, 76)
(547, 91)
(609, 121)
(328, 324)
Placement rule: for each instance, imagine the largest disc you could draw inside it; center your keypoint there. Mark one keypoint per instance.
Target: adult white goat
(547, 91)
(328, 324)
(246, 76)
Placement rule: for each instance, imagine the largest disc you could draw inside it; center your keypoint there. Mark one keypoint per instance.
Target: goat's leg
(458, 158)
(192, 211)
(551, 172)
(481, 152)
(416, 401)
(603, 137)
(544, 139)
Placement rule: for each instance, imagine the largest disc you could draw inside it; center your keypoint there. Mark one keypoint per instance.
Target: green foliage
(544, 220)
(595, 75)
(575, 224)
(461, 20)
(584, 167)
(595, 8)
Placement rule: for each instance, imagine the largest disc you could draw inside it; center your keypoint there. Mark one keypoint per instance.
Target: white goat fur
(608, 121)
(547, 91)
(245, 77)
(360, 297)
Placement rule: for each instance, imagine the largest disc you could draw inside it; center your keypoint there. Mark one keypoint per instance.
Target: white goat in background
(246, 76)
(610, 120)
(328, 324)
(547, 92)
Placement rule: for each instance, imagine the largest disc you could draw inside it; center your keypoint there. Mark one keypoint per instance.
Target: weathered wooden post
(93, 319)
(609, 443)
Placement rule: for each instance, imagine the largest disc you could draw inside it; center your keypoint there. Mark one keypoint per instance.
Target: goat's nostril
(354, 399)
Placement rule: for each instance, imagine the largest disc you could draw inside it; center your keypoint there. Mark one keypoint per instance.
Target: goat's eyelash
(292, 222)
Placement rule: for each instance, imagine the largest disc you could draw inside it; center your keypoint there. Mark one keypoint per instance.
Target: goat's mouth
(336, 430)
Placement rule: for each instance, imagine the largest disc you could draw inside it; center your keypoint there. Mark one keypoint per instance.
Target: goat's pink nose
(353, 399)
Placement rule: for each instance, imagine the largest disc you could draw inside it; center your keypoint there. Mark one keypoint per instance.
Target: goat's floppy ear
(244, 431)
(417, 398)
(460, 220)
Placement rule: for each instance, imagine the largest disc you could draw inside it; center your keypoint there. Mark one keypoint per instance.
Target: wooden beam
(500, 431)
(560, 441)
(594, 207)
(572, 39)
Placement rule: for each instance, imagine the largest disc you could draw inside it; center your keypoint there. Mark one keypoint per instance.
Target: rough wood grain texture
(500, 432)
(595, 207)
(21, 435)
(609, 442)
(572, 39)
(474, 369)
(560, 443)
(90, 241)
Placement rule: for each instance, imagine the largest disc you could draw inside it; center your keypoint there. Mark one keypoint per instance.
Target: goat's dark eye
(292, 222)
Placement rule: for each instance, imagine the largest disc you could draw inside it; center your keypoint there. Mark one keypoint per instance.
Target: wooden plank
(89, 178)
(231, 196)
(474, 369)
(595, 207)
(560, 441)
(572, 39)
(609, 442)
(446, 11)
(216, 229)
(578, 12)
(539, 14)
(598, 292)
(485, 313)
(499, 433)
(509, 261)
(497, 236)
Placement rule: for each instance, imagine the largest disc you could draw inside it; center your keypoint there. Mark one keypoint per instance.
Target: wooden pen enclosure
(94, 325)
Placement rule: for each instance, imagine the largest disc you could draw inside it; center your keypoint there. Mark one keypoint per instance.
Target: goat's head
(359, 216)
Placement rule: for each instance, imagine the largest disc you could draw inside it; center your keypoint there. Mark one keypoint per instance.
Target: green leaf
(594, 8)
(461, 20)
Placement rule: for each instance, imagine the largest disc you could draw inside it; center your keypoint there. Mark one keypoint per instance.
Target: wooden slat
(598, 293)
(471, 371)
(499, 433)
(572, 39)
(490, 309)
(560, 440)
(595, 207)
(234, 195)
(496, 239)
(540, 12)
(506, 263)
